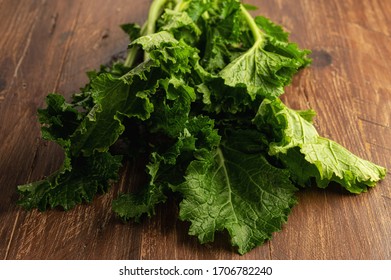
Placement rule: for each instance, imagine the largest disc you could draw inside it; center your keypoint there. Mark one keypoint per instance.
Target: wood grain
(47, 46)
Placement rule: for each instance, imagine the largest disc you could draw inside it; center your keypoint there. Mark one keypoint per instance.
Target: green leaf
(172, 56)
(73, 184)
(238, 191)
(196, 8)
(263, 72)
(172, 109)
(59, 119)
(223, 9)
(166, 167)
(272, 29)
(250, 7)
(266, 67)
(114, 99)
(134, 205)
(242, 63)
(132, 29)
(156, 41)
(226, 37)
(181, 25)
(296, 142)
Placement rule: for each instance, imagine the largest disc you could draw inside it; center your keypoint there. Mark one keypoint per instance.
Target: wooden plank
(348, 86)
(64, 40)
(47, 46)
(19, 137)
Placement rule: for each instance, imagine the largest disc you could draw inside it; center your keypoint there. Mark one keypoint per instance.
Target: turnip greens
(198, 97)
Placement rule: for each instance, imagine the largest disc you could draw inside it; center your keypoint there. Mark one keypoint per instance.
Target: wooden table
(47, 46)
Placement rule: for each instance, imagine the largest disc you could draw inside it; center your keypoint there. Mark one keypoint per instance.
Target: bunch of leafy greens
(198, 95)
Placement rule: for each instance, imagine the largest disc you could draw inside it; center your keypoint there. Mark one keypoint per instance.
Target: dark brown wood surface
(47, 46)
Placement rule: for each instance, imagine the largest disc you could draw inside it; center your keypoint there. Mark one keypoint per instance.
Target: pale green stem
(257, 33)
(149, 27)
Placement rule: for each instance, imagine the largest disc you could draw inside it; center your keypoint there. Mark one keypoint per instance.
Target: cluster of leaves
(198, 95)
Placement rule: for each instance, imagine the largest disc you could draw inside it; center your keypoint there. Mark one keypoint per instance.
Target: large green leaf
(266, 67)
(72, 184)
(237, 190)
(296, 142)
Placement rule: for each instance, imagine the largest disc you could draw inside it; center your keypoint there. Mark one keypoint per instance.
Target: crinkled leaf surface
(59, 119)
(114, 100)
(184, 100)
(72, 184)
(134, 205)
(238, 191)
(293, 138)
(181, 25)
(167, 166)
(129, 95)
(266, 67)
(263, 72)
